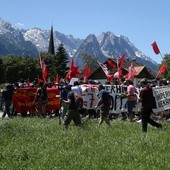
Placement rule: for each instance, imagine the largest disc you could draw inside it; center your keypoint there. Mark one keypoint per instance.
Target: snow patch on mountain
(106, 45)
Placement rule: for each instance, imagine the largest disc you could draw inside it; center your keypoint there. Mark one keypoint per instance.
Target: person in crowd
(163, 82)
(15, 86)
(7, 94)
(64, 93)
(104, 103)
(147, 100)
(131, 99)
(72, 111)
(21, 83)
(1, 90)
(76, 88)
(41, 98)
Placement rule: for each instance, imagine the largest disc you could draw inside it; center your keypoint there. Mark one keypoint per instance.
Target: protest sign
(90, 97)
(162, 98)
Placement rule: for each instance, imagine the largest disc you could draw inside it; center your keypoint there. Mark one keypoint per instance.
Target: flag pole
(156, 76)
(161, 66)
(162, 61)
(161, 55)
(159, 69)
(118, 68)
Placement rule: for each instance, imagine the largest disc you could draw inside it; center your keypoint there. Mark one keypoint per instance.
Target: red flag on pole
(121, 61)
(126, 76)
(105, 70)
(44, 68)
(110, 63)
(161, 70)
(38, 79)
(155, 48)
(110, 77)
(73, 71)
(104, 67)
(57, 79)
(132, 72)
(87, 73)
(118, 74)
(120, 64)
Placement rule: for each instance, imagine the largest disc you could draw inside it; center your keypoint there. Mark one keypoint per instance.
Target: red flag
(132, 72)
(155, 48)
(118, 74)
(161, 70)
(121, 61)
(110, 63)
(104, 68)
(73, 71)
(57, 79)
(110, 77)
(126, 76)
(38, 79)
(87, 73)
(67, 75)
(44, 68)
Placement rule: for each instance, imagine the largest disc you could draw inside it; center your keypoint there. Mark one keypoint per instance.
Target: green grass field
(43, 144)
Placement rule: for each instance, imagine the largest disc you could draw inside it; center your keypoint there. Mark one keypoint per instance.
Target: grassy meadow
(43, 144)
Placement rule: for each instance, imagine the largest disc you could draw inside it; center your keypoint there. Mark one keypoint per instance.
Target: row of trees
(14, 68)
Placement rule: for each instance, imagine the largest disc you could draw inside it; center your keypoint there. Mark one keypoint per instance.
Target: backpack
(78, 101)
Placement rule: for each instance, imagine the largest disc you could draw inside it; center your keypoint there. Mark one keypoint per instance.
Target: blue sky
(142, 21)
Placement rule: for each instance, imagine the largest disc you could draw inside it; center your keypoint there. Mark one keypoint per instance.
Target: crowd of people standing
(70, 93)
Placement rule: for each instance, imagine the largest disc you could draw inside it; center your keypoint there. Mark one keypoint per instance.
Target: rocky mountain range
(107, 45)
(12, 41)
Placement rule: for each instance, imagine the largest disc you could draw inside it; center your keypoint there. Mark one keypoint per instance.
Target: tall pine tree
(57, 63)
(62, 61)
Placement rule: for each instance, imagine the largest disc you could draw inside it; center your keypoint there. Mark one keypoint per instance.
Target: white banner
(89, 94)
(162, 98)
(90, 98)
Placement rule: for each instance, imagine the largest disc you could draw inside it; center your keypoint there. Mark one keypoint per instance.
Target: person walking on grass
(41, 98)
(104, 103)
(7, 94)
(131, 99)
(64, 93)
(72, 111)
(147, 100)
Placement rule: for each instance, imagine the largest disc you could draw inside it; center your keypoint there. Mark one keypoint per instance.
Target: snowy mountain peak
(106, 45)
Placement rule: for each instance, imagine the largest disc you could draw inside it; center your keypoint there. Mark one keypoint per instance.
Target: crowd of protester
(69, 111)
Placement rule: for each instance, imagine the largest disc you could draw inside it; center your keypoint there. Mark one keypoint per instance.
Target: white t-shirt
(77, 89)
